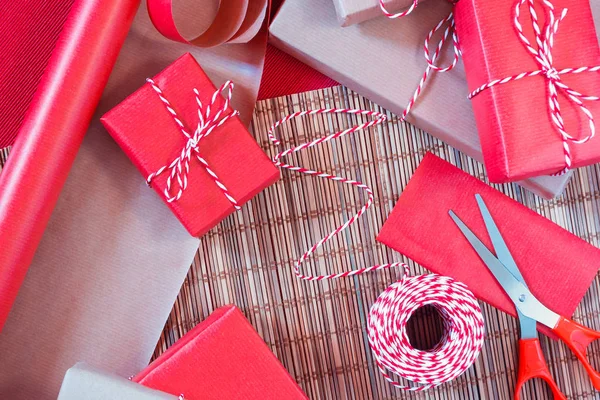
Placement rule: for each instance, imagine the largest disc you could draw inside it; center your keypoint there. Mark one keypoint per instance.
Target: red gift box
(518, 135)
(558, 266)
(226, 167)
(221, 358)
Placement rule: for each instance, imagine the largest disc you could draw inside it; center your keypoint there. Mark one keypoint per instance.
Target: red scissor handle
(578, 338)
(532, 364)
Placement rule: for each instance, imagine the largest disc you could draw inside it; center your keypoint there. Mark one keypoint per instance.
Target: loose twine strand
(544, 39)
(388, 317)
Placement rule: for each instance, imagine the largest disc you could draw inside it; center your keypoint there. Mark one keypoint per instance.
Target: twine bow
(209, 119)
(542, 54)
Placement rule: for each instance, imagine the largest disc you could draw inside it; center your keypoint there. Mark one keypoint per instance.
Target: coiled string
(389, 315)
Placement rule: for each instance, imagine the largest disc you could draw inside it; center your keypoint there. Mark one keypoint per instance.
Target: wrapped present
(383, 61)
(527, 62)
(190, 145)
(352, 12)
(558, 266)
(221, 358)
(83, 382)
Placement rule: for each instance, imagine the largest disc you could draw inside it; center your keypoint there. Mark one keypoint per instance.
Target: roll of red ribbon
(463, 321)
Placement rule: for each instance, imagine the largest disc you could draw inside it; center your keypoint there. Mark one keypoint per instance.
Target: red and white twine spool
(456, 351)
(463, 320)
(541, 53)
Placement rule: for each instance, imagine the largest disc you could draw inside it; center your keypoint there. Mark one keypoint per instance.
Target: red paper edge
(209, 324)
(190, 336)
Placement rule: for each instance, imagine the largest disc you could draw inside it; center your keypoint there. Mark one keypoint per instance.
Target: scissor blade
(500, 272)
(527, 325)
(498, 242)
(524, 301)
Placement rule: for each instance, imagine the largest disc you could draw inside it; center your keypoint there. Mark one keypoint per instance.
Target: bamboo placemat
(317, 330)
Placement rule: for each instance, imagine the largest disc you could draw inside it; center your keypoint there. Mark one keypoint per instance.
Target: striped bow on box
(190, 145)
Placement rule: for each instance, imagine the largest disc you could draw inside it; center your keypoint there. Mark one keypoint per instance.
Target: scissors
(530, 310)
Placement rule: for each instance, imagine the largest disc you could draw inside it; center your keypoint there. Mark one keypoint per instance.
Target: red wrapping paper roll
(52, 132)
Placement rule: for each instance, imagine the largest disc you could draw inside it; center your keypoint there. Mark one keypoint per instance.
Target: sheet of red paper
(147, 133)
(284, 75)
(221, 358)
(517, 135)
(29, 30)
(557, 265)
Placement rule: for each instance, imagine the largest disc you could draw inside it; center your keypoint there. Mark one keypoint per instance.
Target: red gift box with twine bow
(531, 67)
(190, 145)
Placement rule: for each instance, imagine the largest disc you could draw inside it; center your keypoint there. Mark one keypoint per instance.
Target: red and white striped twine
(209, 119)
(458, 348)
(463, 320)
(450, 30)
(544, 39)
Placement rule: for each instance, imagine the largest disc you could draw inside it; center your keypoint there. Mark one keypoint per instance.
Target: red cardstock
(517, 135)
(221, 358)
(147, 133)
(557, 265)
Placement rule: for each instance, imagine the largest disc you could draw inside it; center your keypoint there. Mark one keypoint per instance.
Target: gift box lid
(383, 61)
(221, 358)
(84, 382)
(150, 132)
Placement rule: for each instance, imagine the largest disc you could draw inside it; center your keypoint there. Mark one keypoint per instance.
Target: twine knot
(210, 118)
(551, 73)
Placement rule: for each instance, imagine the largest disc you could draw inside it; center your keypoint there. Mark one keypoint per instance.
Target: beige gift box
(84, 382)
(383, 60)
(352, 12)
